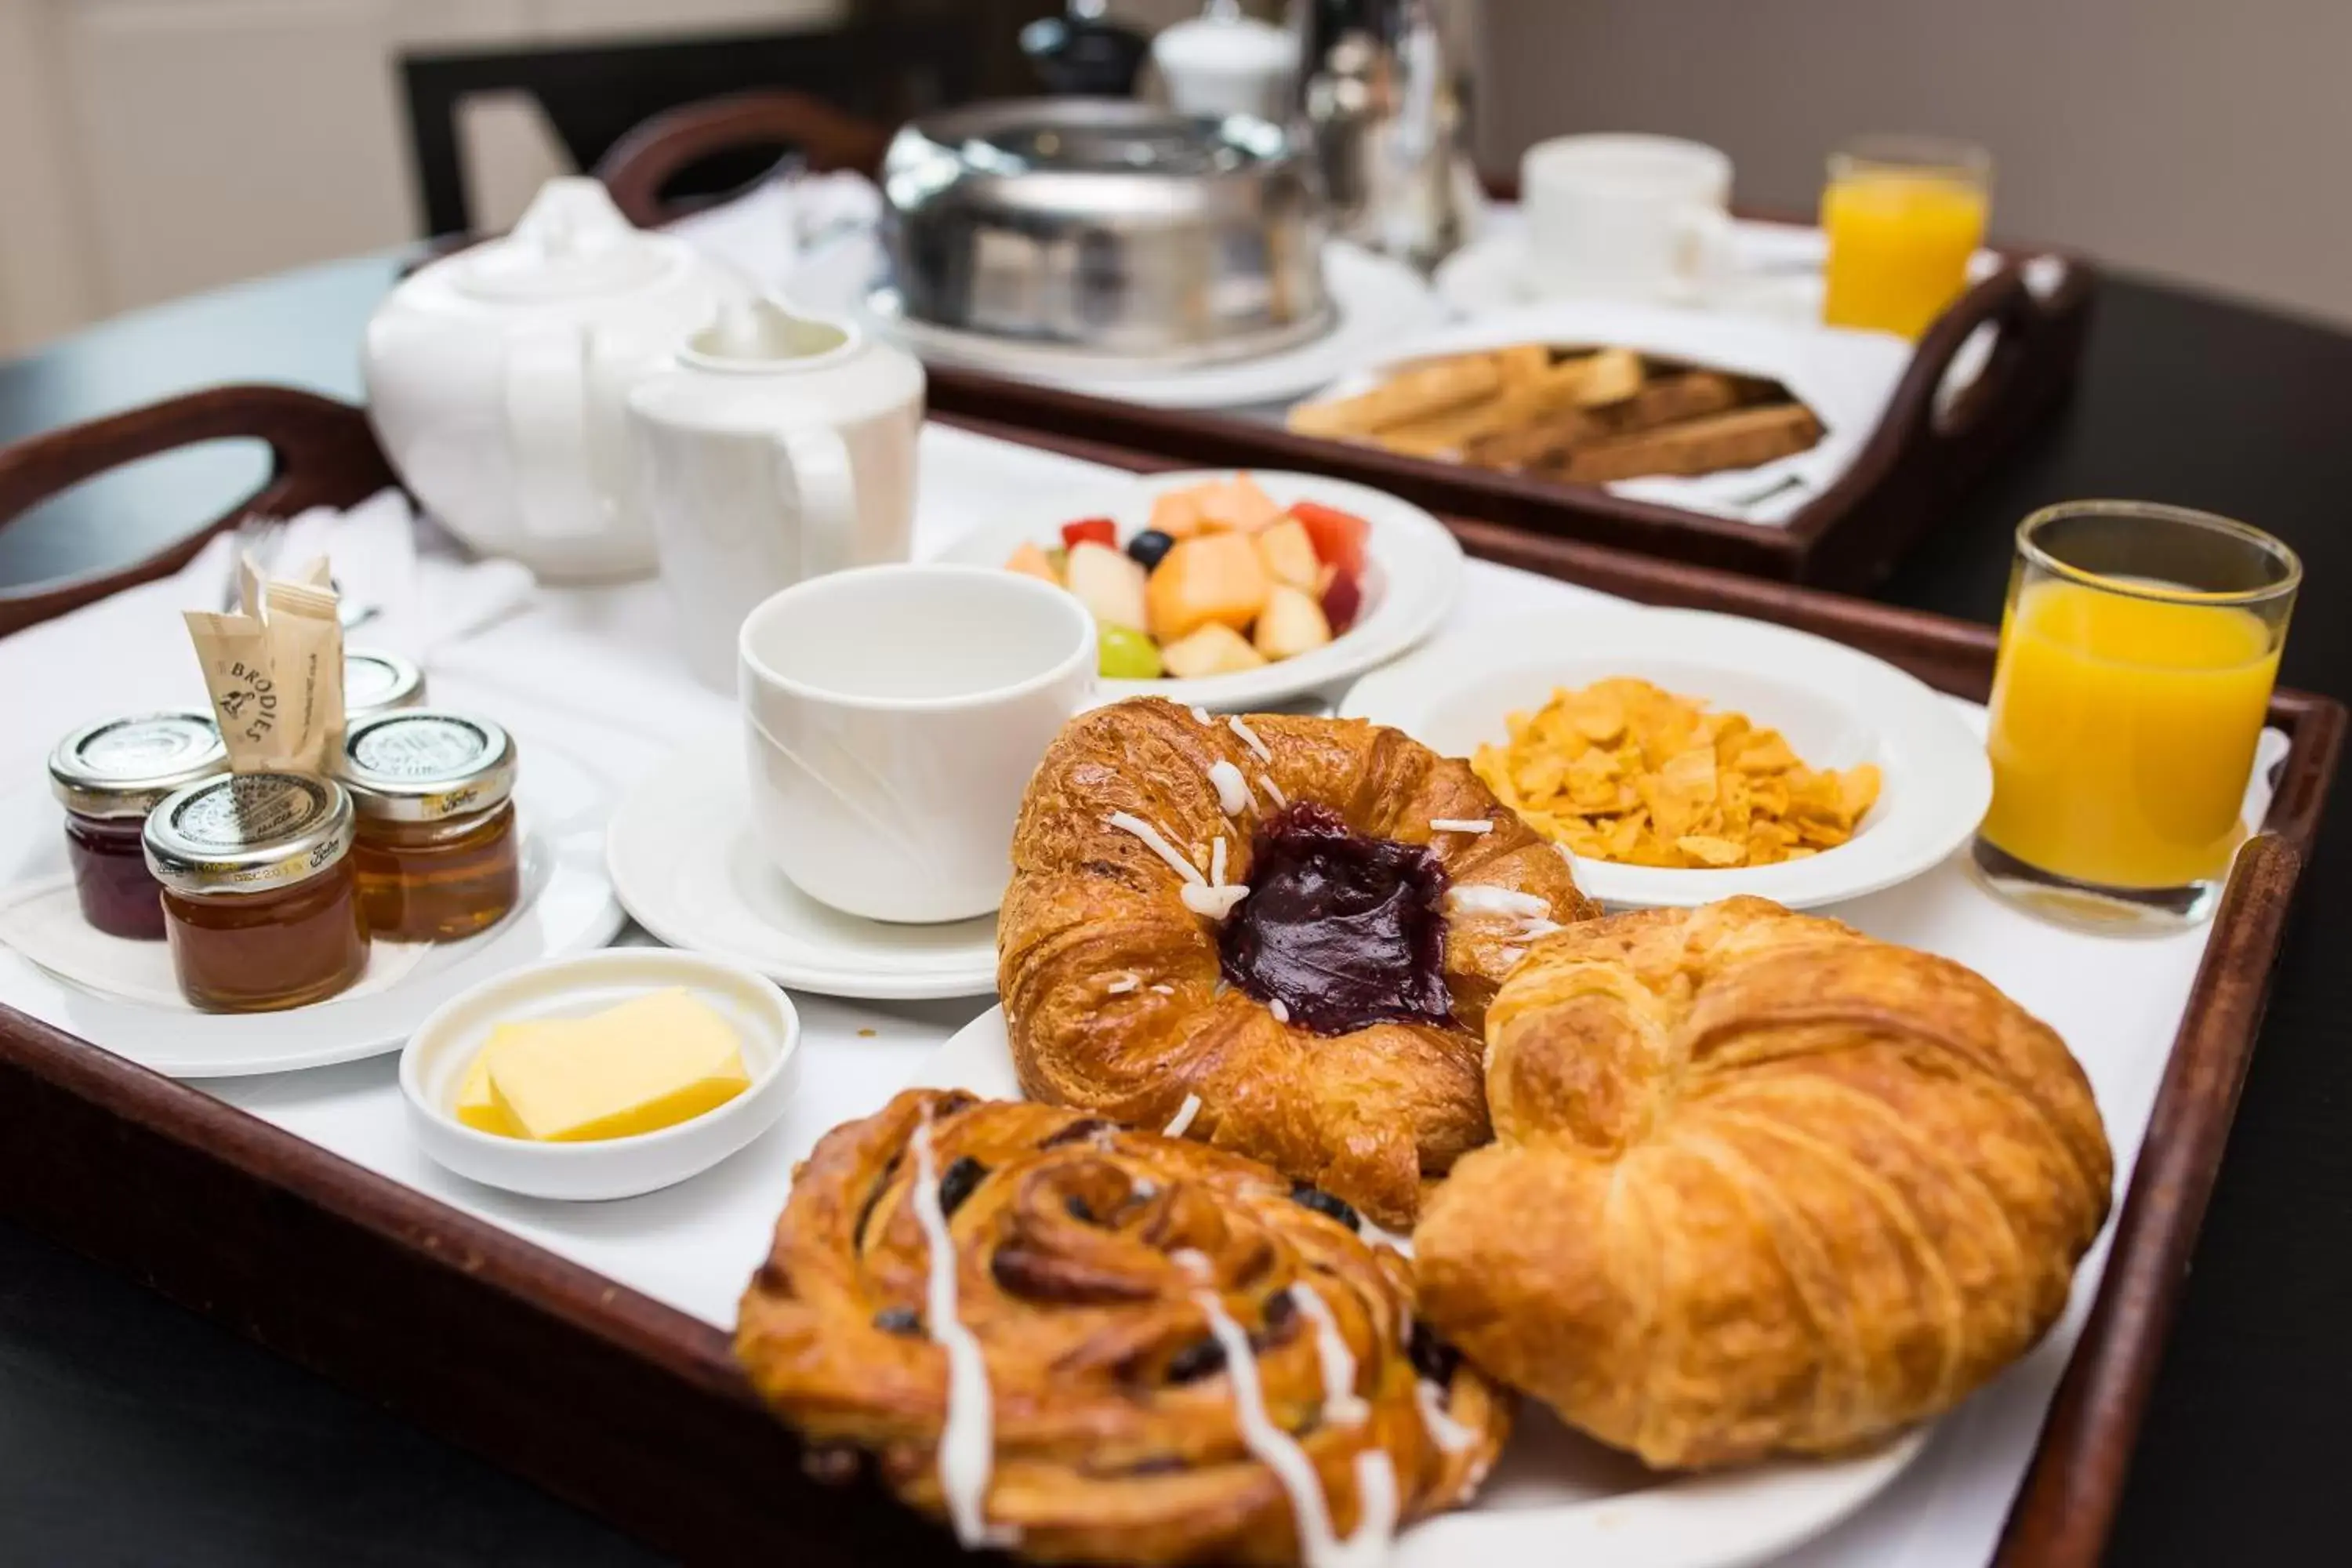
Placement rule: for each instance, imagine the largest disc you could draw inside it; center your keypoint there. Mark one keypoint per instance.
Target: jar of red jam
(259, 903)
(377, 680)
(109, 777)
(436, 848)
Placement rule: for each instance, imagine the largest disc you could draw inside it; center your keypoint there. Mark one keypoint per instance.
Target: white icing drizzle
(1164, 989)
(1443, 1430)
(1375, 1237)
(967, 1437)
(1143, 1187)
(1158, 844)
(1510, 955)
(1232, 790)
(1341, 1404)
(1199, 714)
(1217, 862)
(1249, 737)
(1460, 825)
(1214, 904)
(1281, 1013)
(1320, 1545)
(1273, 790)
(1121, 986)
(1196, 1264)
(1183, 1117)
(1482, 900)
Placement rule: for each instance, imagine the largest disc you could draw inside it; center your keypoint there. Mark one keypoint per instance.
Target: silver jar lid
(122, 767)
(424, 764)
(377, 680)
(247, 833)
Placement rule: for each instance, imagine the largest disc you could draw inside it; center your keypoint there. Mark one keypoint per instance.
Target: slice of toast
(1739, 439)
(1422, 392)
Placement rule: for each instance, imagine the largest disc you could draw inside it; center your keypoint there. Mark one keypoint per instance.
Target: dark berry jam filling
(1342, 929)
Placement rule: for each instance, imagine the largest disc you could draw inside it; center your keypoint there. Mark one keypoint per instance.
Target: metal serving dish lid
(1106, 226)
(423, 764)
(247, 833)
(121, 767)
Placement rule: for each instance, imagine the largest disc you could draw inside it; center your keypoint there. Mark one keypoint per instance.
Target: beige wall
(2204, 140)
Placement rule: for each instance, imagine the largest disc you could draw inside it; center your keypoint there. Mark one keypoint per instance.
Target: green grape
(1126, 653)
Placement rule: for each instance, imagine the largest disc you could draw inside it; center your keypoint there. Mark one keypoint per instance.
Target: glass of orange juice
(1903, 215)
(2136, 658)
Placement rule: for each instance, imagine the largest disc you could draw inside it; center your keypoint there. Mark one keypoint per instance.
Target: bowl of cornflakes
(1681, 756)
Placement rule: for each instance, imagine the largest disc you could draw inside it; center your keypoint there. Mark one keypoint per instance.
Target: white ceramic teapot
(496, 379)
(776, 449)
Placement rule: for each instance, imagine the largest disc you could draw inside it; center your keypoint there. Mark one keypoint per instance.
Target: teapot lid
(571, 243)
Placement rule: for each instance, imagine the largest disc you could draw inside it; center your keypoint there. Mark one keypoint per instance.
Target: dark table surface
(133, 1433)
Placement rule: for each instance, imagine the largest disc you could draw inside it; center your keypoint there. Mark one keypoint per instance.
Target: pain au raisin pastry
(1762, 1186)
(1089, 1344)
(1277, 933)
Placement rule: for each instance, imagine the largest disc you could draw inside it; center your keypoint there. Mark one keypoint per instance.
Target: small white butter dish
(435, 1060)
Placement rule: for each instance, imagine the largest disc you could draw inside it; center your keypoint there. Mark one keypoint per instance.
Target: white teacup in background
(892, 717)
(1224, 62)
(1626, 217)
(777, 447)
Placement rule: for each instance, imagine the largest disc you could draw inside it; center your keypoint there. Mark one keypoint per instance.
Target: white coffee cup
(892, 717)
(1220, 65)
(1626, 217)
(774, 449)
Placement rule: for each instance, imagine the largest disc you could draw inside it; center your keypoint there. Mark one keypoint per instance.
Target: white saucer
(567, 908)
(1837, 706)
(1557, 1496)
(1374, 299)
(1770, 276)
(1413, 576)
(685, 862)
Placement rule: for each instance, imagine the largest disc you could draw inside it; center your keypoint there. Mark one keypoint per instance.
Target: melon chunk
(1176, 514)
(1033, 562)
(1214, 649)
(1108, 583)
(1289, 555)
(1291, 624)
(1238, 505)
(1214, 577)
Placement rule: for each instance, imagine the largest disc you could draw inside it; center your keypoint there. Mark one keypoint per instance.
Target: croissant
(1762, 1185)
(1127, 1347)
(1279, 934)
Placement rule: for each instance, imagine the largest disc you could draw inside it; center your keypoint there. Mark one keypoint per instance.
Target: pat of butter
(475, 1106)
(651, 1062)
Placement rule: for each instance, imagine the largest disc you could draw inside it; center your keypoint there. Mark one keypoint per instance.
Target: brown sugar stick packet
(275, 670)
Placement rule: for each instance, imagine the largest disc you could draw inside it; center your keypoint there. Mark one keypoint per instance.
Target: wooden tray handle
(322, 453)
(645, 160)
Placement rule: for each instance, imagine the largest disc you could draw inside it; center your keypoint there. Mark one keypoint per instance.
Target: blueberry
(1202, 1358)
(1431, 1356)
(1079, 1209)
(1323, 1204)
(1280, 1309)
(898, 1320)
(957, 1186)
(1147, 549)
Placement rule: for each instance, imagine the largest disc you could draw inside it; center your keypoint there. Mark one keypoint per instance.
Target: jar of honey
(259, 903)
(377, 680)
(109, 777)
(435, 851)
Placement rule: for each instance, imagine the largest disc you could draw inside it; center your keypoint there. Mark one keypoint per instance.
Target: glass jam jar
(435, 851)
(109, 777)
(259, 903)
(377, 680)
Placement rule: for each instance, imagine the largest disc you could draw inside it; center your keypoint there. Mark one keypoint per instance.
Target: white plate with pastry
(1556, 1496)
(1849, 722)
(1281, 583)
(567, 906)
(689, 867)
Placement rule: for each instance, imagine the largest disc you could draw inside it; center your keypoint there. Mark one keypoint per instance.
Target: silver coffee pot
(1385, 109)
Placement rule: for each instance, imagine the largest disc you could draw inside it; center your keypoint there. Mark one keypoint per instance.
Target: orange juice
(2121, 733)
(1899, 247)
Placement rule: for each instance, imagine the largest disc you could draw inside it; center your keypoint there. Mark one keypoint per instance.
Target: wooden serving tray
(634, 1410)
(1903, 481)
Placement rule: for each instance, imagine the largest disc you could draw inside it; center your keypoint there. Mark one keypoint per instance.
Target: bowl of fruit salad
(1235, 590)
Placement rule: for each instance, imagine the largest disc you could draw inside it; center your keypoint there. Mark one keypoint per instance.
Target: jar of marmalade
(259, 903)
(435, 849)
(109, 777)
(377, 680)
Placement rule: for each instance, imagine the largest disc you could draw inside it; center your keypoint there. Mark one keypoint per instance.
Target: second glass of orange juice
(2137, 659)
(1903, 215)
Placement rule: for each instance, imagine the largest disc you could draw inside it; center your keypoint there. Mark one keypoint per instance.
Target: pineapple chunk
(1108, 583)
(1214, 649)
(1289, 555)
(1291, 624)
(1030, 560)
(1214, 577)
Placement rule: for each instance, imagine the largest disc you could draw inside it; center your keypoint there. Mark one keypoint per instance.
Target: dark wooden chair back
(644, 165)
(322, 453)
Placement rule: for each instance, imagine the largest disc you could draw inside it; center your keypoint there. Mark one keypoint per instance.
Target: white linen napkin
(771, 232)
